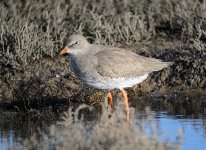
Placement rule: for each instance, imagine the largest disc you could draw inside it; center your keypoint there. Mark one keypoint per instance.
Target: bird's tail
(160, 65)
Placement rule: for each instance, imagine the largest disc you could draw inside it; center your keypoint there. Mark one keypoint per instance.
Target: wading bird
(106, 67)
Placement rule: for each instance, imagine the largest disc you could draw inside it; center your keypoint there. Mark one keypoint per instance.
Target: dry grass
(106, 133)
(32, 32)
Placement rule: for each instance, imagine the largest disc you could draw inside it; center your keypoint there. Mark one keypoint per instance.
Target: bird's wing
(115, 63)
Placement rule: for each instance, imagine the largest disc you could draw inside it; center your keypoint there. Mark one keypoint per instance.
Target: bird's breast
(81, 68)
(76, 67)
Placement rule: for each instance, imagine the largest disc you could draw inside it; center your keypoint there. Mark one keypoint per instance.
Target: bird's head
(75, 44)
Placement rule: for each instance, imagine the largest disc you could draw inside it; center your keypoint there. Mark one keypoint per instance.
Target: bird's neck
(78, 58)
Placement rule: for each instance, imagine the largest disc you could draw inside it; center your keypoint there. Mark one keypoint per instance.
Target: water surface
(16, 127)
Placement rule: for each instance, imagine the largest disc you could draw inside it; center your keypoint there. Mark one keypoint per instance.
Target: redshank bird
(106, 67)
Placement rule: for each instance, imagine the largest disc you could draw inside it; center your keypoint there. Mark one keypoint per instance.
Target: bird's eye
(76, 43)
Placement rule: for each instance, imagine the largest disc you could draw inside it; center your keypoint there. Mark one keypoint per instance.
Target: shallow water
(14, 128)
(193, 129)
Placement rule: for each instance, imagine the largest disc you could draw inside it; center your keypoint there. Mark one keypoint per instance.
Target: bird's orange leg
(124, 94)
(109, 98)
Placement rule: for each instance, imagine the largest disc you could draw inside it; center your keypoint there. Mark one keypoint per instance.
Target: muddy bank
(49, 83)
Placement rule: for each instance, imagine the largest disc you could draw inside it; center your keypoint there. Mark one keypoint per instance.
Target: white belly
(114, 83)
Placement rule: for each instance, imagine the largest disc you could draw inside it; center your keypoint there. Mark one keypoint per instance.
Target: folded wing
(116, 63)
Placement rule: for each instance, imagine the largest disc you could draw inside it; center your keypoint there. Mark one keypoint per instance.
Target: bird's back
(116, 62)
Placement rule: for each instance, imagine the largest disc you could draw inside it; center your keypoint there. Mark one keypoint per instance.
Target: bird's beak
(63, 51)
